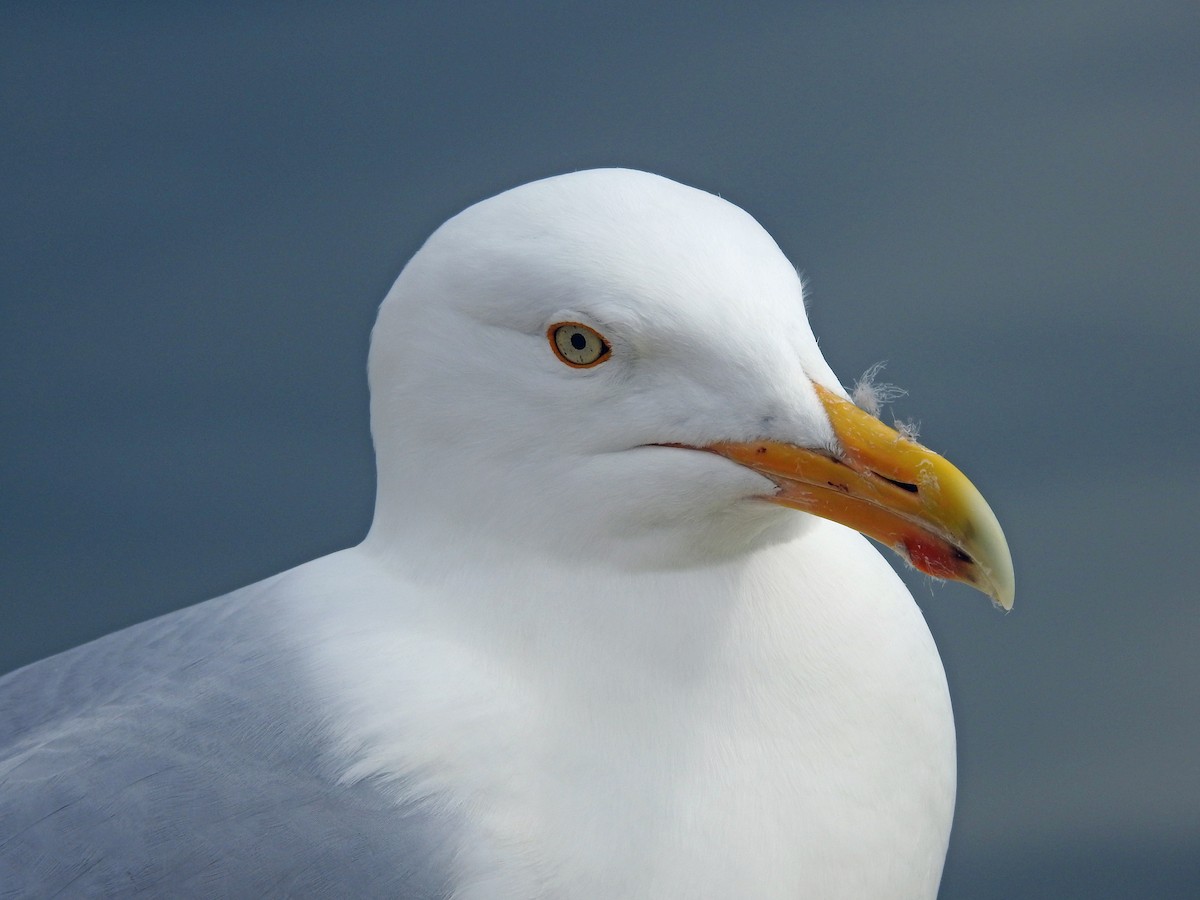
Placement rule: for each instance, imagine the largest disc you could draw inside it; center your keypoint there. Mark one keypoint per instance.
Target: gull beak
(892, 489)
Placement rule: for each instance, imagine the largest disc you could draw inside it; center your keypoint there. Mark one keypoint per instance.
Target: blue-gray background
(202, 207)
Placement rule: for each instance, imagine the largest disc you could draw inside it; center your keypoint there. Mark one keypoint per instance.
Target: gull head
(609, 364)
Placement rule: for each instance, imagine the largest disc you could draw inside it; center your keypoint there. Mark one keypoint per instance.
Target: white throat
(697, 748)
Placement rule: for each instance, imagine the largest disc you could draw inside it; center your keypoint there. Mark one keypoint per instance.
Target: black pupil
(578, 341)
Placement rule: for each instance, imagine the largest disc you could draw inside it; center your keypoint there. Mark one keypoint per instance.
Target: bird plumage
(571, 659)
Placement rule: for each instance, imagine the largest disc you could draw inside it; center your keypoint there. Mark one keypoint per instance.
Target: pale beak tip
(996, 568)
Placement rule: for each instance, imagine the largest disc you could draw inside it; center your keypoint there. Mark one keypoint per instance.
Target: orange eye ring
(579, 346)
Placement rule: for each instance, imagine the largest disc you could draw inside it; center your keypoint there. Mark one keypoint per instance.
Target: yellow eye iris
(578, 345)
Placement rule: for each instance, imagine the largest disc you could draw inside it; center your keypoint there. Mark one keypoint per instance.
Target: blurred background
(203, 205)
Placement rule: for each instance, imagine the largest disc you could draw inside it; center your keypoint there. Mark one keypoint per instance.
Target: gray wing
(178, 758)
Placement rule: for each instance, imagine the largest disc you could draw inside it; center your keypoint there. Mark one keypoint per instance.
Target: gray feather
(137, 764)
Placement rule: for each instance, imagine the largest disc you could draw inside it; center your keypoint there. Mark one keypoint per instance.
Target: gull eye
(577, 345)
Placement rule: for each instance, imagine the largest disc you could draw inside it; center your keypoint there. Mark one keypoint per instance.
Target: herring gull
(615, 630)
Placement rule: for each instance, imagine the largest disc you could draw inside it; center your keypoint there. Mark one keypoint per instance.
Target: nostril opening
(903, 485)
(962, 556)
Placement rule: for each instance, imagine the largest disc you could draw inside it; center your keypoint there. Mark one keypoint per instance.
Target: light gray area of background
(202, 208)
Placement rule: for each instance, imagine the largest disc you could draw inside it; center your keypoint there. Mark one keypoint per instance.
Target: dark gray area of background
(202, 207)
